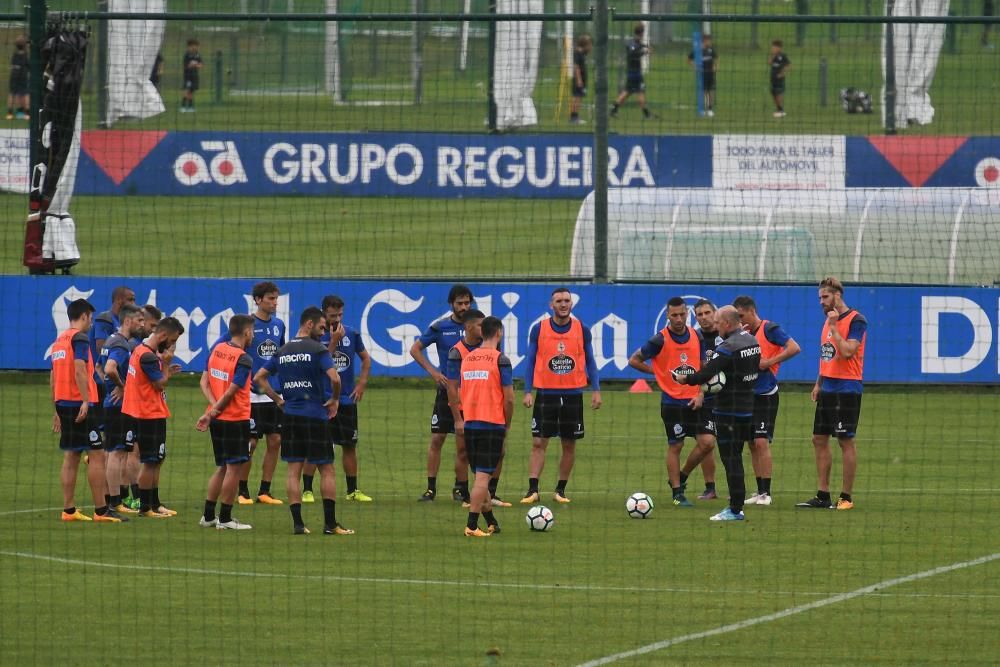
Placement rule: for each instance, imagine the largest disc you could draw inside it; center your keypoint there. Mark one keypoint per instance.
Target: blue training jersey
(119, 348)
(443, 334)
(302, 364)
(268, 336)
(344, 360)
(859, 325)
(104, 325)
(767, 383)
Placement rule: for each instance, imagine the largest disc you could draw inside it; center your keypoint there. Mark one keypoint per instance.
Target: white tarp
(132, 49)
(916, 46)
(59, 241)
(516, 67)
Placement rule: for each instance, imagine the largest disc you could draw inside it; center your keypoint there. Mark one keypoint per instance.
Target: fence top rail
(802, 18)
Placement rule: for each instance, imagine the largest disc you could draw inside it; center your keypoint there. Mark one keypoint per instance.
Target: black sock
(490, 519)
(114, 501)
(209, 513)
(645, 112)
(134, 490)
(614, 107)
(265, 488)
(70, 510)
(101, 511)
(684, 478)
(532, 485)
(561, 487)
(845, 496)
(493, 486)
(432, 484)
(122, 491)
(823, 495)
(473, 521)
(244, 488)
(352, 483)
(710, 486)
(463, 489)
(144, 500)
(307, 482)
(154, 497)
(574, 115)
(296, 509)
(760, 485)
(767, 485)
(107, 500)
(330, 512)
(677, 491)
(226, 515)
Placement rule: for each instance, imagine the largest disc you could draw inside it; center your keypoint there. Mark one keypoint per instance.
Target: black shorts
(578, 91)
(191, 84)
(19, 86)
(765, 413)
(442, 421)
(118, 431)
(708, 82)
(265, 419)
(680, 421)
(732, 431)
(484, 448)
(305, 440)
(74, 437)
(152, 437)
(635, 84)
(837, 415)
(344, 427)
(778, 87)
(230, 441)
(558, 415)
(97, 409)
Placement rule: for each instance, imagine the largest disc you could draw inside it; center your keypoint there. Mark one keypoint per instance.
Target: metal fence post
(754, 11)
(491, 64)
(601, 141)
(890, 70)
(802, 9)
(220, 71)
(36, 35)
(102, 66)
(833, 26)
(823, 71)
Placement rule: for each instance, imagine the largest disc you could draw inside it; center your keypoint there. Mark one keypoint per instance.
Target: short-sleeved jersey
(20, 66)
(580, 63)
(774, 340)
(119, 348)
(485, 372)
(634, 51)
(443, 334)
(268, 336)
(229, 365)
(839, 375)
(738, 356)
(302, 364)
(686, 362)
(455, 355)
(191, 73)
(778, 63)
(70, 346)
(345, 360)
(104, 325)
(708, 57)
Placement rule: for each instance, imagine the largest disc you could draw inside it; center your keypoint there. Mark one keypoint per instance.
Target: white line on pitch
(791, 611)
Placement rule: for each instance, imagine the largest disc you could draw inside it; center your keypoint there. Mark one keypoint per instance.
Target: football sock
(226, 515)
(70, 510)
(684, 478)
(823, 495)
(845, 496)
(114, 501)
(463, 488)
(473, 521)
(330, 512)
(767, 485)
(532, 485)
(760, 485)
(645, 112)
(490, 519)
(493, 486)
(265, 488)
(574, 116)
(561, 487)
(123, 491)
(107, 500)
(710, 486)
(432, 483)
(677, 491)
(154, 497)
(307, 482)
(352, 483)
(144, 500)
(296, 509)
(101, 511)
(244, 488)
(209, 512)
(134, 490)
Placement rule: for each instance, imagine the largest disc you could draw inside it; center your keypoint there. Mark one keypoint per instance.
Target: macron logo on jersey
(476, 375)
(294, 358)
(220, 375)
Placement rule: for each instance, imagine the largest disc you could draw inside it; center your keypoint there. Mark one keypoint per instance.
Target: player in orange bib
(74, 393)
(487, 396)
(149, 371)
(226, 385)
(559, 364)
(837, 393)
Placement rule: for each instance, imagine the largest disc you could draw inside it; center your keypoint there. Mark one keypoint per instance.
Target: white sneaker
(778, 114)
(753, 500)
(763, 499)
(710, 113)
(208, 524)
(233, 525)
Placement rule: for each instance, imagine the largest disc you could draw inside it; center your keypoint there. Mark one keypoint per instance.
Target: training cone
(640, 387)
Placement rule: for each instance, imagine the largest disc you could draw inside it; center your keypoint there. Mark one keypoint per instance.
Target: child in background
(20, 68)
(192, 70)
(779, 65)
(583, 45)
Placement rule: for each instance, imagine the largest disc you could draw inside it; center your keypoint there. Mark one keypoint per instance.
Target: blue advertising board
(916, 334)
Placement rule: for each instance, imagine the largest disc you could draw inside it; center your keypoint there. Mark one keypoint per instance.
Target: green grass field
(409, 589)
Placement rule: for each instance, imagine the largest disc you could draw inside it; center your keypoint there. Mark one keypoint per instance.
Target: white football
(540, 518)
(714, 384)
(639, 505)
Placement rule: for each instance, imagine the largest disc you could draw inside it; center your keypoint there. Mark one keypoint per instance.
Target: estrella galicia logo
(827, 351)
(684, 368)
(267, 349)
(562, 364)
(341, 361)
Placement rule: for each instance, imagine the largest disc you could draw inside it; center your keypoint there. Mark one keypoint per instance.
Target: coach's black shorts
(152, 437)
(837, 414)
(265, 418)
(732, 431)
(680, 421)
(635, 84)
(305, 440)
(118, 431)
(708, 82)
(344, 427)
(558, 415)
(778, 87)
(74, 437)
(765, 413)
(485, 448)
(230, 441)
(442, 421)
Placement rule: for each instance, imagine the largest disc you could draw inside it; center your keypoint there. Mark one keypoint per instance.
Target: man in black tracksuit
(738, 357)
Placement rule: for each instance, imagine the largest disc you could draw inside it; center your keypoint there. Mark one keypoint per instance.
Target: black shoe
(300, 530)
(427, 496)
(116, 515)
(816, 503)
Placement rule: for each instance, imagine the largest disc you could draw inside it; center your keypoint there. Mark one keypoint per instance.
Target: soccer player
(73, 393)
(579, 91)
(709, 67)
(309, 403)
(776, 347)
(677, 349)
(560, 363)
(487, 396)
(151, 316)
(20, 69)
(779, 65)
(192, 75)
(345, 345)
(108, 321)
(704, 312)
(837, 392)
(635, 49)
(738, 356)
(118, 435)
(443, 334)
(265, 415)
(226, 385)
(149, 371)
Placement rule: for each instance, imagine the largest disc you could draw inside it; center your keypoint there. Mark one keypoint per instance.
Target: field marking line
(791, 611)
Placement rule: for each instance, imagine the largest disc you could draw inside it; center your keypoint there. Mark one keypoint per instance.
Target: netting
(418, 158)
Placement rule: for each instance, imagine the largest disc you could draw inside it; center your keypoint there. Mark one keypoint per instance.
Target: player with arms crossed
(443, 334)
(738, 356)
(487, 396)
(559, 364)
(837, 392)
(226, 385)
(344, 344)
(309, 403)
(776, 347)
(677, 349)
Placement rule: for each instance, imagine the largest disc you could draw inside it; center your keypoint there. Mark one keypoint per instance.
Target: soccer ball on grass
(639, 505)
(540, 518)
